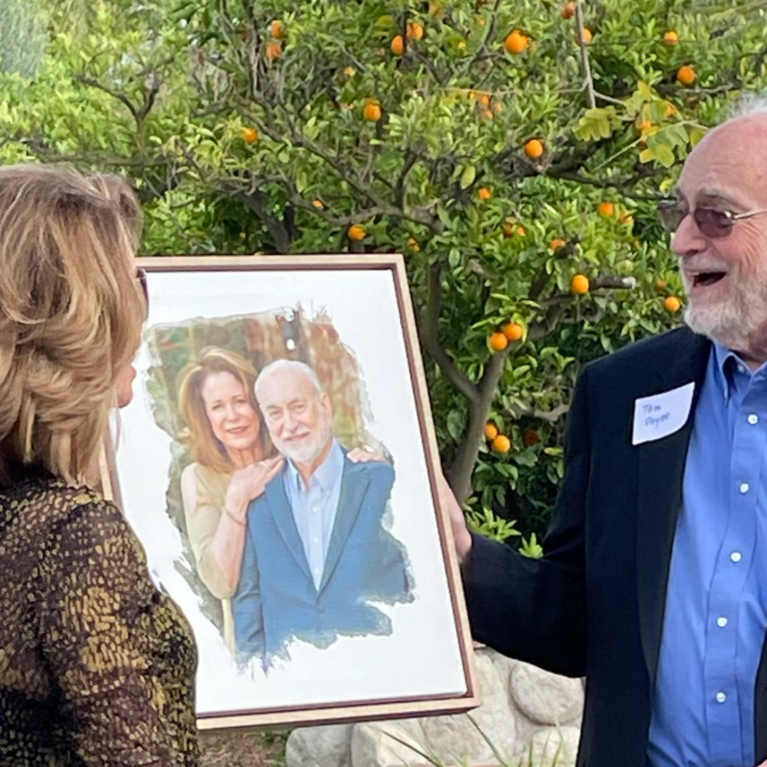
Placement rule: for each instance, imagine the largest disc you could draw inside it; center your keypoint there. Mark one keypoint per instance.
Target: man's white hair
(749, 104)
(289, 366)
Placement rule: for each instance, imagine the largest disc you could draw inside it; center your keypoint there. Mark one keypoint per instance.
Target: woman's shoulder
(48, 499)
(47, 513)
(204, 476)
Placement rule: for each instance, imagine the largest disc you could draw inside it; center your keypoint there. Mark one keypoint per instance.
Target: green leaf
(664, 155)
(455, 424)
(385, 22)
(467, 176)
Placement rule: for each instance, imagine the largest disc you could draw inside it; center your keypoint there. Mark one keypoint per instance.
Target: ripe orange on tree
(273, 49)
(606, 209)
(372, 111)
(516, 42)
(414, 31)
(357, 232)
(278, 29)
(686, 75)
(534, 148)
(484, 193)
(501, 444)
(671, 37)
(491, 431)
(556, 244)
(660, 284)
(498, 341)
(672, 304)
(587, 36)
(568, 11)
(513, 331)
(580, 284)
(318, 204)
(249, 135)
(531, 437)
(398, 45)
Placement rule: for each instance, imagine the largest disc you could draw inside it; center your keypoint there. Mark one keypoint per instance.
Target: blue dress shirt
(314, 507)
(716, 608)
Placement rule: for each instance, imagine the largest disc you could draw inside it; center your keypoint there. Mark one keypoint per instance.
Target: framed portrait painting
(278, 463)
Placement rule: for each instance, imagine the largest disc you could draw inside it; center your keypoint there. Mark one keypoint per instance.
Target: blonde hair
(206, 448)
(70, 314)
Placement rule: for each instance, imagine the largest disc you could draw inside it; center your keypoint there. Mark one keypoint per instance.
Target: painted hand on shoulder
(361, 455)
(248, 484)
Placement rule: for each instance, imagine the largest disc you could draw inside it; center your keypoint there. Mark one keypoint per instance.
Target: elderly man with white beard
(318, 553)
(653, 584)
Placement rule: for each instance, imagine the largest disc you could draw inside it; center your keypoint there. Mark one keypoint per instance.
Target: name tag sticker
(661, 414)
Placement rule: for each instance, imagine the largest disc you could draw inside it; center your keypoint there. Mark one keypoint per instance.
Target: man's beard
(739, 323)
(306, 453)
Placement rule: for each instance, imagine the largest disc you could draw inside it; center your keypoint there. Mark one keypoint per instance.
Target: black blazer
(594, 605)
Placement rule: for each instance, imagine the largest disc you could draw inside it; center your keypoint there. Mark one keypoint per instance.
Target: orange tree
(512, 151)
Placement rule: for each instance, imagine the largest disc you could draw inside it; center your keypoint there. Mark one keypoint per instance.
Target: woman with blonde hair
(97, 667)
(232, 465)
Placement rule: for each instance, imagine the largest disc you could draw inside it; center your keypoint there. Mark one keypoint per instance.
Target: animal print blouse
(96, 666)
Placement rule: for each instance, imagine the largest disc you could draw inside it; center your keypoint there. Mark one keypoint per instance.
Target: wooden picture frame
(399, 645)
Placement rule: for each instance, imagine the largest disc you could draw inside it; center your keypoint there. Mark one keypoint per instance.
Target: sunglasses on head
(712, 222)
(141, 277)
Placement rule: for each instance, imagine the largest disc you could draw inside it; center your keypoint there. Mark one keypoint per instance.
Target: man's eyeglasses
(141, 277)
(712, 222)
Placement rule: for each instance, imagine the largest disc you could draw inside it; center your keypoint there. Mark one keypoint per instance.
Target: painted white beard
(740, 323)
(306, 453)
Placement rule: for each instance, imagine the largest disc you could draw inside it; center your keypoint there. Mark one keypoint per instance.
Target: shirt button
(752, 419)
(736, 556)
(741, 369)
(721, 697)
(744, 487)
(721, 622)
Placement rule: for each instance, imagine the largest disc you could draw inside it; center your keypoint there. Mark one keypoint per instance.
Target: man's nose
(289, 422)
(688, 240)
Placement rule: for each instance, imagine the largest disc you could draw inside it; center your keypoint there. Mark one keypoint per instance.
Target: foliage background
(245, 137)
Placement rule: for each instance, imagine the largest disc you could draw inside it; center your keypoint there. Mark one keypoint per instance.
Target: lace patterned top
(96, 665)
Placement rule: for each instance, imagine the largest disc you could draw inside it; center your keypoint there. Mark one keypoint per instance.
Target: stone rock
(503, 665)
(455, 739)
(544, 697)
(385, 744)
(554, 746)
(326, 746)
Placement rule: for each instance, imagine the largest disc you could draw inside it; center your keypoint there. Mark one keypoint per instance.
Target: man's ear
(325, 403)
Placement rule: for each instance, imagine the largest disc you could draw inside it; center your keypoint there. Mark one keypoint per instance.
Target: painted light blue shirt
(314, 507)
(716, 609)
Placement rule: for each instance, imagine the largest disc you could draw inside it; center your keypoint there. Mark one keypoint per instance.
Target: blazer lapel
(661, 474)
(279, 505)
(354, 484)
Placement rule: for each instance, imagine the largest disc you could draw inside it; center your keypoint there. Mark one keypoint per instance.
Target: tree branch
(582, 44)
(550, 416)
(121, 97)
(430, 338)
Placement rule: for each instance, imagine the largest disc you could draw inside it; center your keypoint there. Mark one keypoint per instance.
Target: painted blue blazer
(276, 599)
